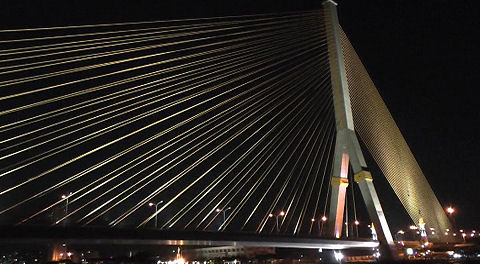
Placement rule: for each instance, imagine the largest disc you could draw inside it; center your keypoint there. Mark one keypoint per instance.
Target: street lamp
(65, 197)
(156, 210)
(450, 210)
(357, 223)
(218, 210)
(324, 219)
(282, 213)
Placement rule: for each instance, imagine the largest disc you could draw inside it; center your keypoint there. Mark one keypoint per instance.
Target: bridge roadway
(112, 236)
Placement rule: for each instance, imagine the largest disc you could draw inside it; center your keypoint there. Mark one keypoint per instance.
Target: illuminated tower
(347, 147)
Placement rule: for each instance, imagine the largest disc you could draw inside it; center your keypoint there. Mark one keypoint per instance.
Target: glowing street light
(281, 214)
(450, 210)
(356, 222)
(65, 197)
(224, 211)
(321, 223)
(156, 210)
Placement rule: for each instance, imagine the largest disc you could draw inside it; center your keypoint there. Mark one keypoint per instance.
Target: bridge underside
(109, 236)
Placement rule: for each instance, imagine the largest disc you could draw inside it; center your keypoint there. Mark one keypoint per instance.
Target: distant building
(226, 252)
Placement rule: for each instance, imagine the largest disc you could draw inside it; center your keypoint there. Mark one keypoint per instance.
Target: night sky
(422, 56)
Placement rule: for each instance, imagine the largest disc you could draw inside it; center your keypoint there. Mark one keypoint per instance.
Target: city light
(324, 218)
(356, 222)
(338, 256)
(151, 204)
(450, 210)
(409, 251)
(313, 219)
(282, 213)
(270, 215)
(65, 196)
(413, 227)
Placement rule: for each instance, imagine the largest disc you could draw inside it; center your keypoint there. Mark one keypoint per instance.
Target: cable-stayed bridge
(244, 124)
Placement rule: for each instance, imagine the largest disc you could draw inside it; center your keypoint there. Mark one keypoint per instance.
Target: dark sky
(422, 56)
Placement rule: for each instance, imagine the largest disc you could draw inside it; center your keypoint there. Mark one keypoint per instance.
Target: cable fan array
(222, 123)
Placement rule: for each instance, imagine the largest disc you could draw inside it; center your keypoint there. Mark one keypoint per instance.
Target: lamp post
(156, 210)
(281, 214)
(357, 223)
(320, 225)
(450, 211)
(224, 211)
(399, 235)
(65, 197)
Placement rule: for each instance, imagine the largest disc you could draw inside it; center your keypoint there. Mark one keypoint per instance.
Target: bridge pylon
(347, 148)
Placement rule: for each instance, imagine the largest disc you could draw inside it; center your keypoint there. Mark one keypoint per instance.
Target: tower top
(329, 1)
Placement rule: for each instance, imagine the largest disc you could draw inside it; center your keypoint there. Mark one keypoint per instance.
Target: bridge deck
(72, 235)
